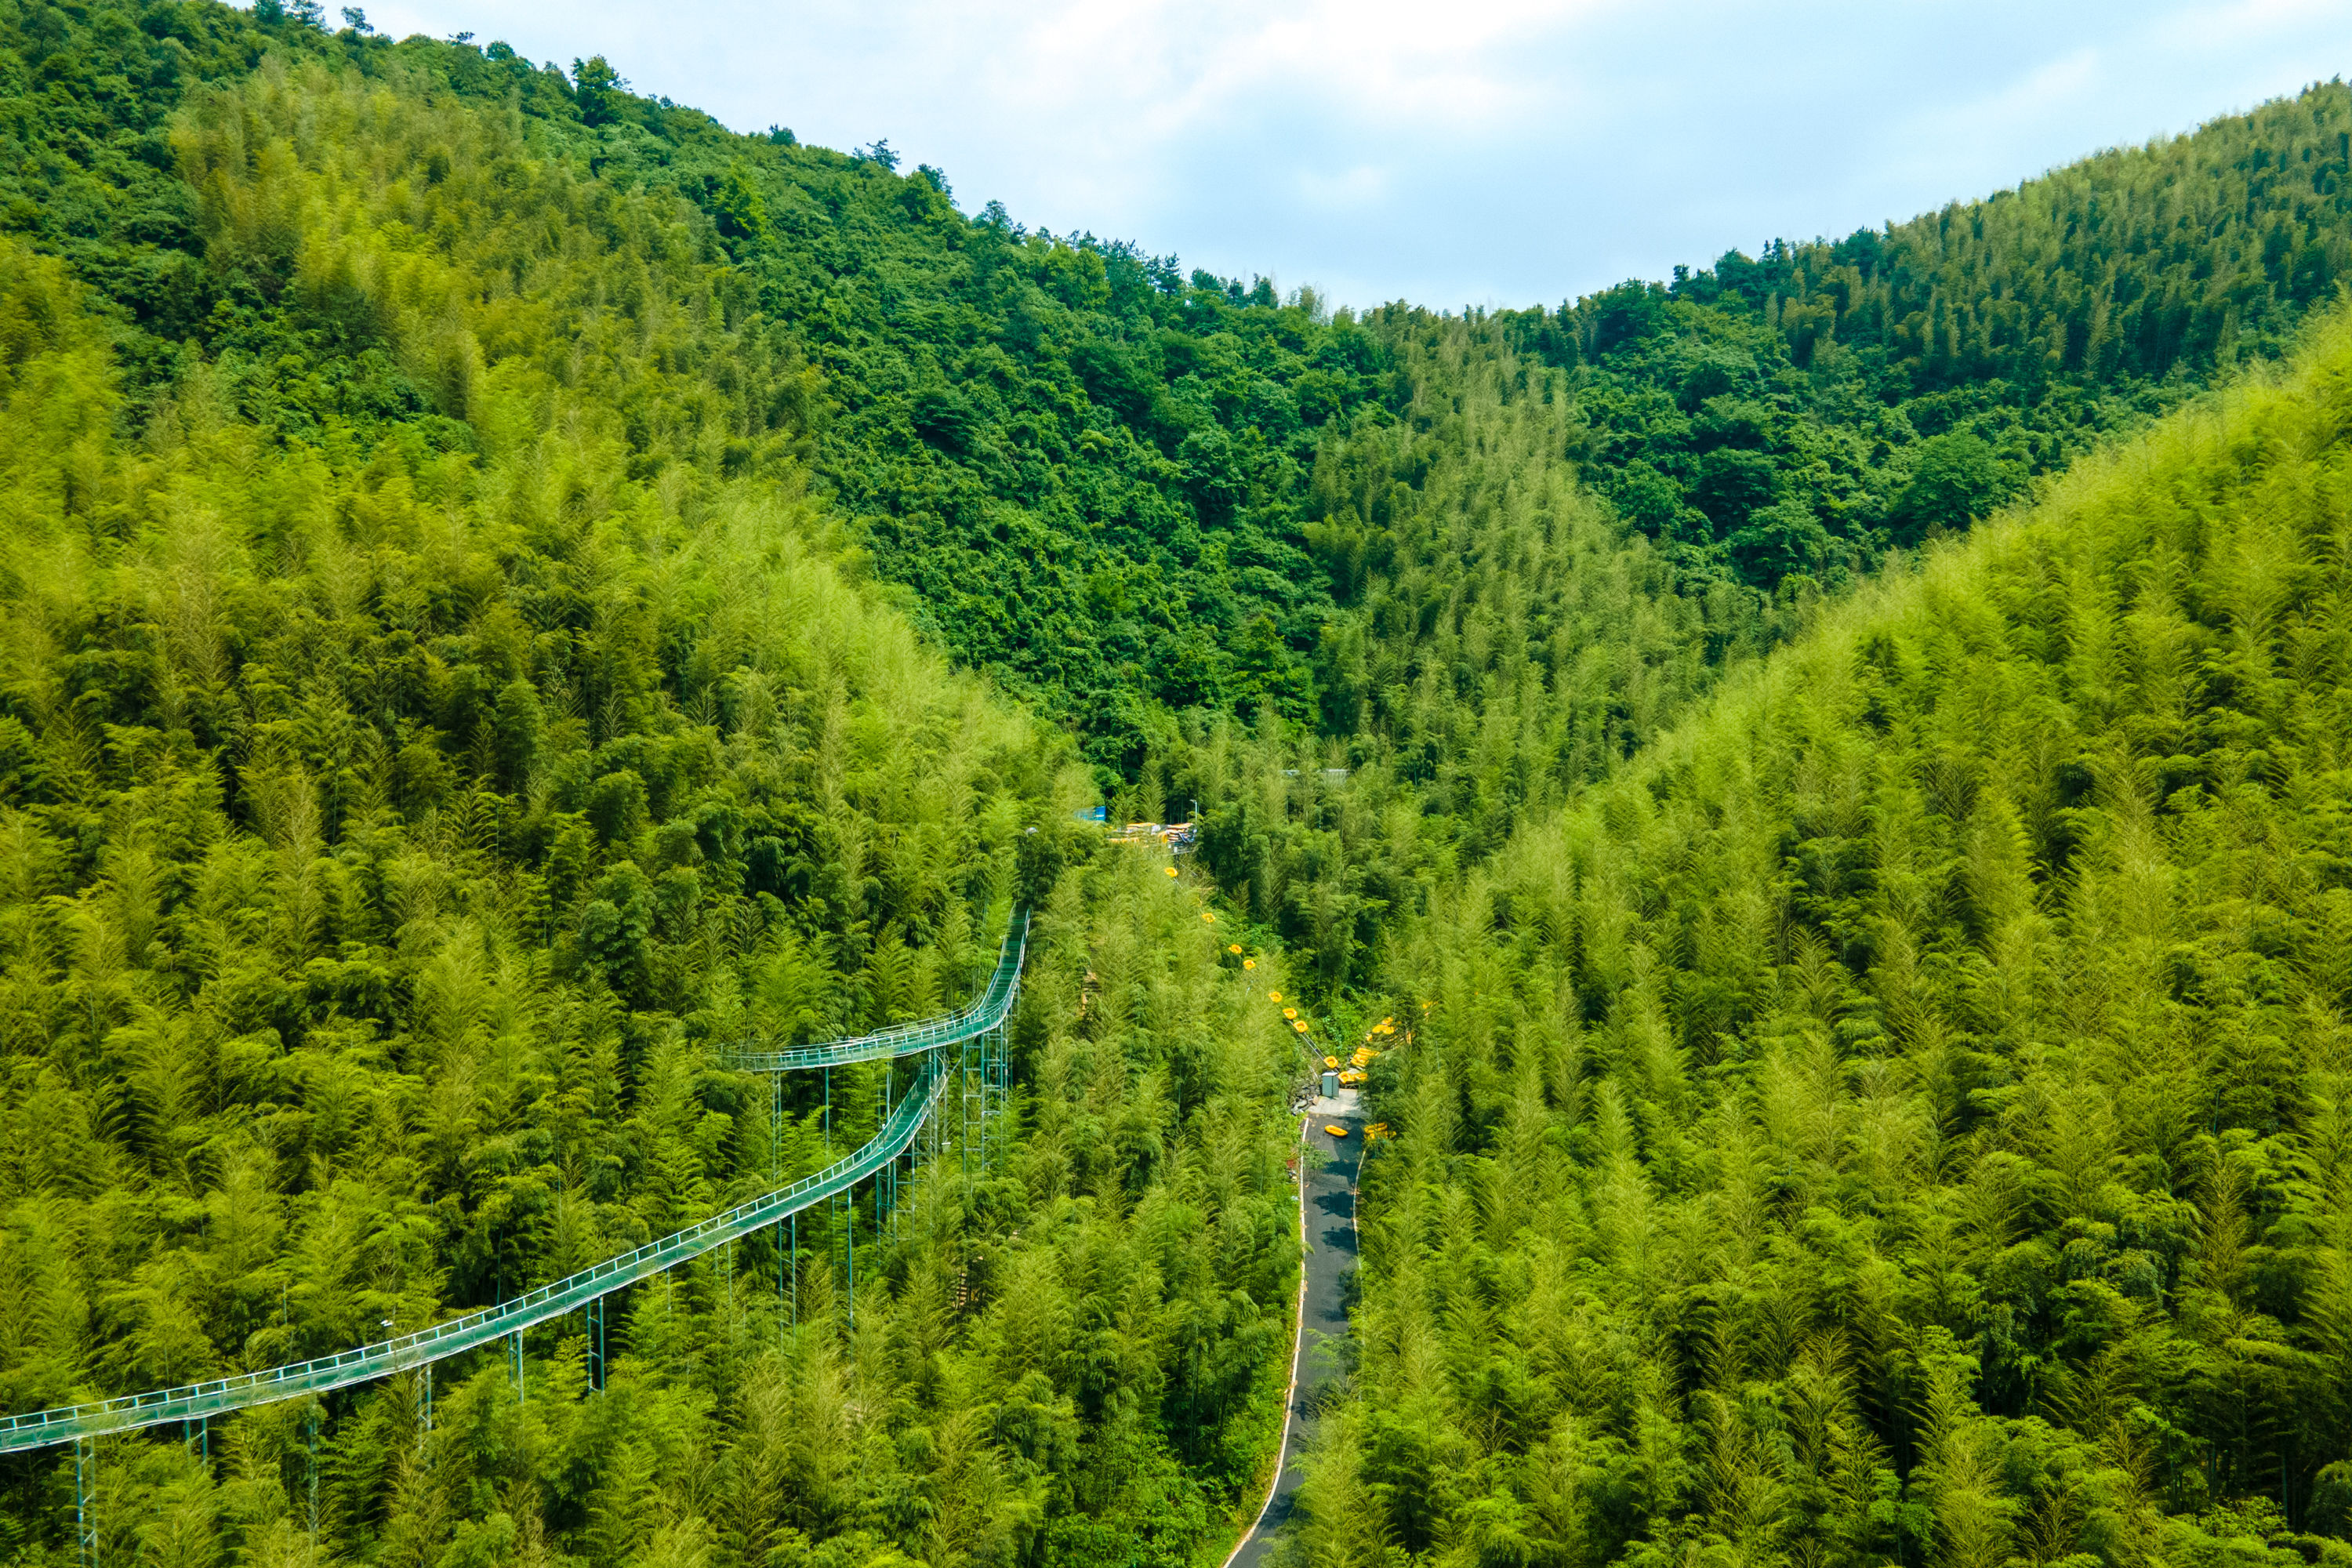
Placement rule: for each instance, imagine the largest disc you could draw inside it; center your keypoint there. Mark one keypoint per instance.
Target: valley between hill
(1822, 785)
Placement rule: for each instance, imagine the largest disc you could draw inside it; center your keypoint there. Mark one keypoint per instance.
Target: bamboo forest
(1768, 853)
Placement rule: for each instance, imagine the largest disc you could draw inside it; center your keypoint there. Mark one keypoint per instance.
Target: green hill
(510, 587)
(405, 798)
(1900, 1116)
(1793, 411)
(1580, 520)
(1132, 493)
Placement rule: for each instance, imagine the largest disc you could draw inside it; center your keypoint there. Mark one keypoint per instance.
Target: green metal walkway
(987, 1012)
(194, 1402)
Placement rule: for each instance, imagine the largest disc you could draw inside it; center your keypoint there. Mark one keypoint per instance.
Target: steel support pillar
(85, 1477)
(311, 1475)
(971, 1085)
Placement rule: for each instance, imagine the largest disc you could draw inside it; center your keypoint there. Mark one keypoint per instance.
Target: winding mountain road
(1327, 1208)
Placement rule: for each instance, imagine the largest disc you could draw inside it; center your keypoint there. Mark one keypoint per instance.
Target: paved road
(1331, 1213)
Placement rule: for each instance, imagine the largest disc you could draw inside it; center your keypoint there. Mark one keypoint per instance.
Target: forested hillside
(1799, 410)
(1569, 529)
(1132, 492)
(1901, 1116)
(510, 587)
(435, 723)
(1089, 470)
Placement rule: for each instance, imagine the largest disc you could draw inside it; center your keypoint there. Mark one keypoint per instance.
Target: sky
(1470, 153)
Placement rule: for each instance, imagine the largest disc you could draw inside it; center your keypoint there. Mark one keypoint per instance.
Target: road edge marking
(1298, 1351)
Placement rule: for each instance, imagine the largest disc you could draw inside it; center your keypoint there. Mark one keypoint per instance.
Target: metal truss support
(935, 1127)
(883, 1190)
(973, 1088)
(995, 1091)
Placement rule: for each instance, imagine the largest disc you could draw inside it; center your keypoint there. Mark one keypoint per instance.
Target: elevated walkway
(995, 1001)
(403, 1353)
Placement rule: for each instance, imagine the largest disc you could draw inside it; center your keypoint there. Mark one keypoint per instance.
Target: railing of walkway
(987, 1012)
(72, 1422)
(41, 1428)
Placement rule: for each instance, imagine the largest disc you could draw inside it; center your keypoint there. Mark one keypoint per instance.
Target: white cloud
(1477, 151)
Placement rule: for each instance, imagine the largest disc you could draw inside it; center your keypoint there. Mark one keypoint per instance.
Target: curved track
(364, 1363)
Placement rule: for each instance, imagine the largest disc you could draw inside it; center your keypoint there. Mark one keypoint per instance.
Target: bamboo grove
(1900, 1117)
(402, 812)
(1132, 493)
(510, 588)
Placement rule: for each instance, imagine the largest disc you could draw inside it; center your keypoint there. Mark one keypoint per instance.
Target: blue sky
(1478, 152)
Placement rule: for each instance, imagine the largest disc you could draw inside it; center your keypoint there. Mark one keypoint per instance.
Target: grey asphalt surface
(1320, 1357)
